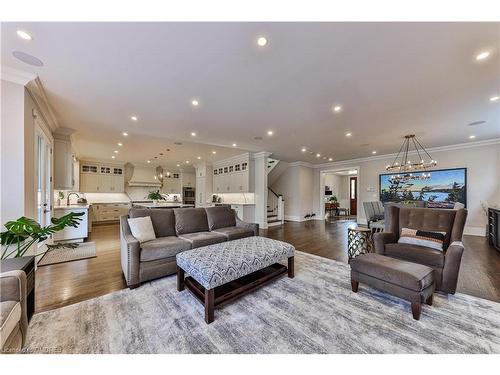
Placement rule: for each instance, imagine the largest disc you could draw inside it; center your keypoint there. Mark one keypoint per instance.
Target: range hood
(144, 176)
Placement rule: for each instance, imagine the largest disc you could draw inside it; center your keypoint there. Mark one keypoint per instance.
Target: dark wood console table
(26, 264)
(494, 227)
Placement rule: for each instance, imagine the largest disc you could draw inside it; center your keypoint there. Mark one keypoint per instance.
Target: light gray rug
(315, 312)
(84, 250)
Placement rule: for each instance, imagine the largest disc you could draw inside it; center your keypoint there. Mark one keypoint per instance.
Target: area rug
(316, 312)
(84, 250)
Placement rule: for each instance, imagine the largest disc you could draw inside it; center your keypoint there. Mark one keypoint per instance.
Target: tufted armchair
(446, 263)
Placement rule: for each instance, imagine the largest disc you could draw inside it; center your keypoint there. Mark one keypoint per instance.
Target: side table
(26, 264)
(359, 241)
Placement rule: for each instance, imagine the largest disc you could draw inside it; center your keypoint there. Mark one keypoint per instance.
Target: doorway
(335, 190)
(353, 195)
(43, 175)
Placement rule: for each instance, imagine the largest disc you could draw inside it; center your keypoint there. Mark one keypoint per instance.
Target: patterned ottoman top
(218, 264)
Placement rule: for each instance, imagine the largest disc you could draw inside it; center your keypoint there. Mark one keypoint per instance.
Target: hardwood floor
(67, 283)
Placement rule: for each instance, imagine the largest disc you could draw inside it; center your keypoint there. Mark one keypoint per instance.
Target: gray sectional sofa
(176, 230)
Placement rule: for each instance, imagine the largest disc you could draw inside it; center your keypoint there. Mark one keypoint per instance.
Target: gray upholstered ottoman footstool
(222, 272)
(410, 281)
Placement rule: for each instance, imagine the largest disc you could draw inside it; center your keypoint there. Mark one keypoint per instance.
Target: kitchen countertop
(238, 204)
(162, 205)
(72, 206)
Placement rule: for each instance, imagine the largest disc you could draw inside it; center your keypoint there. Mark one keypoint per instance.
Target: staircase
(275, 202)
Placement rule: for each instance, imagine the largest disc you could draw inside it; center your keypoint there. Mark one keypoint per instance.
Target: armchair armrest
(452, 260)
(381, 239)
(251, 226)
(130, 253)
(13, 288)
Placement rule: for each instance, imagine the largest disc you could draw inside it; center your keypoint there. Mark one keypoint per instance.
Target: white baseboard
(299, 218)
(475, 231)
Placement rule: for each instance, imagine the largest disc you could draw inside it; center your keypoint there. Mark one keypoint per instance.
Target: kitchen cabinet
(245, 212)
(63, 164)
(172, 184)
(188, 179)
(109, 211)
(232, 175)
(70, 233)
(96, 178)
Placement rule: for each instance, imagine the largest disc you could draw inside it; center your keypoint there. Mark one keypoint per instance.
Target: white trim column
(260, 186)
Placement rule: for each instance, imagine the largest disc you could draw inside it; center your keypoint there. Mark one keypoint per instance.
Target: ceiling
(390, 79)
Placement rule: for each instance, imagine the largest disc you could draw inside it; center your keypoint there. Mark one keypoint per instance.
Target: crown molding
(460, 146)
(37, 93)
(261, 154)
(16, 76)
(301, 164)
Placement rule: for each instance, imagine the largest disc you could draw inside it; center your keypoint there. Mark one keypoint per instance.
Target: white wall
(483, 176)
(12, 152)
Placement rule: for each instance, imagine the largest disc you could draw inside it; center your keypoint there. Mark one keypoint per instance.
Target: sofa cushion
(415, 253)
(233, 233)
(163, 247)
(408, 275)
(10, 316)
(162, 218)
(434, 240)
(142, 228)
(220, 217)
(200, 239)
(190, 220)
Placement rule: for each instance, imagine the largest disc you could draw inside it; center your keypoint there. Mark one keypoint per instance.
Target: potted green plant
(155, 196)
(332, 199)
(24, 232)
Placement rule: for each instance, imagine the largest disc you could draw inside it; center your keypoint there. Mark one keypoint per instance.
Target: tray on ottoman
(220, 273)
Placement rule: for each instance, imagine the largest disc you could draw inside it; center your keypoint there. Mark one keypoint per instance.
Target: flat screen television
(441, 190)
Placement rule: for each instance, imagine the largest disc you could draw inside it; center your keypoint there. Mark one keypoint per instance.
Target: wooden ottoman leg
(180, 279)
(354, 285)
(430, 299)
(209, 305)
(416, 309)
(291, 267)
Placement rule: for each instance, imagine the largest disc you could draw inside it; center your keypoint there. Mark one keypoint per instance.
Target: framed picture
(441, 190)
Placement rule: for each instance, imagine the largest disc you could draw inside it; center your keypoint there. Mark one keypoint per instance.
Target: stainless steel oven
(188, 195)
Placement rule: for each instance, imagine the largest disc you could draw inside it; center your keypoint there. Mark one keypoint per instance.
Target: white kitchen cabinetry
(244, 212)
(97, 178)
(232, 176)
(188, 179)
(63, 163)
(109, 211)
(70, 233)
(172, 184)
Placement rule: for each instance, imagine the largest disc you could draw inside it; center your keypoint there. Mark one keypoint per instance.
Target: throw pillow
(142, 228)
(430, 239)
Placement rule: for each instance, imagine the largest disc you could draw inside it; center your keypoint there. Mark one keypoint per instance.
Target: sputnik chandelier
(404, 168)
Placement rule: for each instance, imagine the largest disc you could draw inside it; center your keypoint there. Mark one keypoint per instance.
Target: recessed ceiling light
(178, 165)
(330, 159)
(214, 152)
(187, 161)
(374, 152)
(193, 134)
(483, 55)
(348, 134)
(113, 157)
(494, 98)
(27, 58)
(270, 132)
(318, 155)
(337, 108)
(472, 136)
(125, 134)
(262, 41)
(120, 144)
(199, 157)
(116, 151)
(234, 145)
(133, 118)
(303, 149)
(149, 161)
(23, 35)
(195, 103)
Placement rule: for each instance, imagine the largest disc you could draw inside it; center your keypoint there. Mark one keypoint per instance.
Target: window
(231, 168)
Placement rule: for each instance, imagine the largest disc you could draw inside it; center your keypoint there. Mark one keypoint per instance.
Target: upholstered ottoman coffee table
(220, 273)
(410, 281)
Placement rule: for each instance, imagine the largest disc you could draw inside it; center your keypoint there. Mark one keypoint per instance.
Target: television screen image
(441, 190)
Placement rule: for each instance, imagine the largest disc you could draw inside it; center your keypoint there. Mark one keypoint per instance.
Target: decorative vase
(155, 202)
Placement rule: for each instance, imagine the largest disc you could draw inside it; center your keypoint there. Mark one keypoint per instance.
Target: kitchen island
(153, 205)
